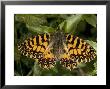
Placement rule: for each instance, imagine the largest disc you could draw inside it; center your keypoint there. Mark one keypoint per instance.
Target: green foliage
(91, 19)
(71, 23)
(82, 25)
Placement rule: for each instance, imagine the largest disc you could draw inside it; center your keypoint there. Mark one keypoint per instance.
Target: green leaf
(36, 69)
(31, 20)
(93, 71)
(71, 23)
(91, 19)
(40, 29)
(81, 27)
(81, 65)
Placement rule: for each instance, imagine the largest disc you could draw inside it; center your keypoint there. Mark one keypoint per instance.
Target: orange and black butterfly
(47, 49)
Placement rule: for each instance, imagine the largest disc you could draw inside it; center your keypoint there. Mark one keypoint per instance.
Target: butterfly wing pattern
(38, 48)
(76, 51)
(73, 50)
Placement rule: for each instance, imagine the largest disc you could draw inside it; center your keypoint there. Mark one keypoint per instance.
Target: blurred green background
(27, 25)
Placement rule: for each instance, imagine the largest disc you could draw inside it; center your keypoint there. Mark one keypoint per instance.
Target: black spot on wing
(42, 36)
(47, 36)
(78, 42)
(32, 42)
(72, 42)
(29, 44)
(71, 48)
(37, 40)
(68, 37)
(82, 46)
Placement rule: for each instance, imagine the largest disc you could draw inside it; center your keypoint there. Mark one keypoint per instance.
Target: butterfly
(47, 49)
